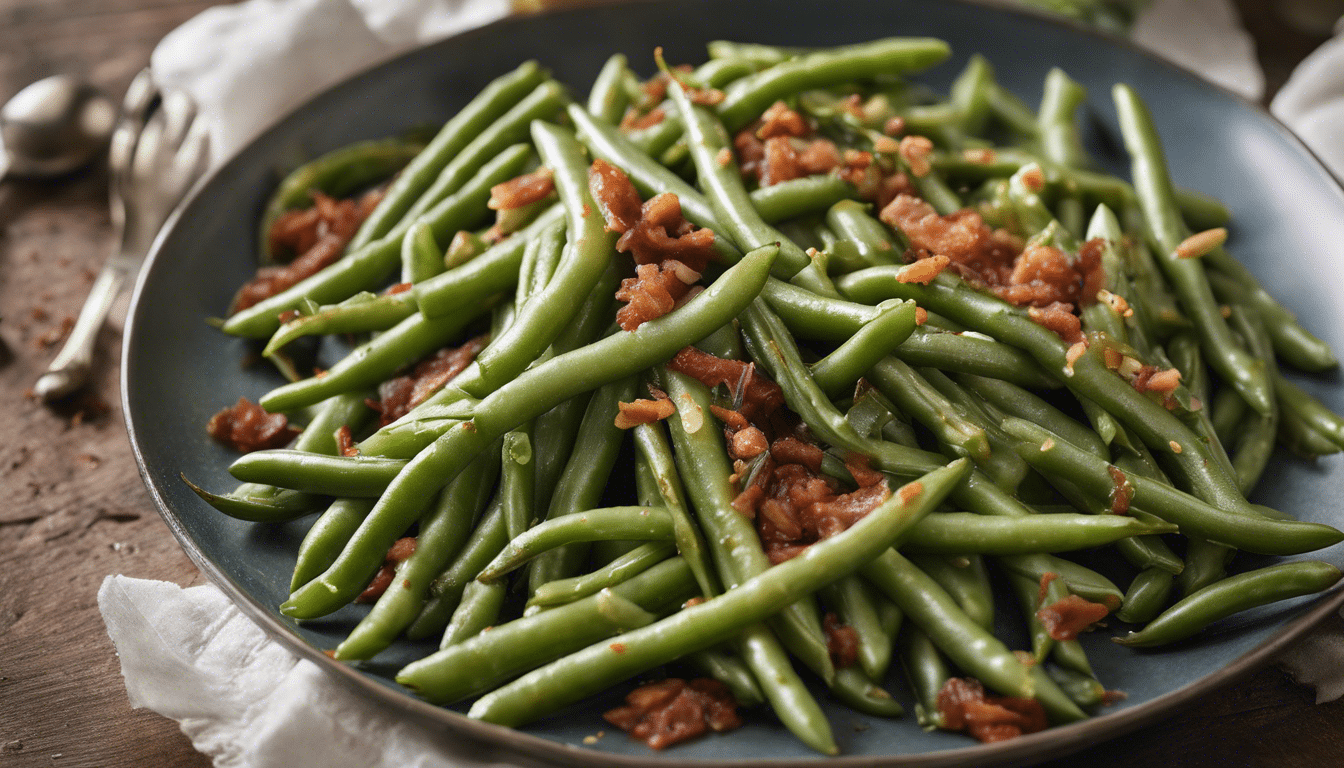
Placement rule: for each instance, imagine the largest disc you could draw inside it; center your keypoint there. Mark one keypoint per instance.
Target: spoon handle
(70, 369)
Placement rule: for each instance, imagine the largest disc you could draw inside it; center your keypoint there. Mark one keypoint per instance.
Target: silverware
(54, 126)
(158, 151)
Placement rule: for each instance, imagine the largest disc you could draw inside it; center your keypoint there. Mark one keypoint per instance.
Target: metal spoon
(53, 127)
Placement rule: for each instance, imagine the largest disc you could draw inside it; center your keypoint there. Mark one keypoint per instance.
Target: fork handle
(70, 369)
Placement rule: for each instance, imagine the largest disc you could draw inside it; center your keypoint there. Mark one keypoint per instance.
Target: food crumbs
(617, 647)
(724, 157)
(1175, 446)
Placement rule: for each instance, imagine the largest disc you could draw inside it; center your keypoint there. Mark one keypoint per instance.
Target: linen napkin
(189, 654)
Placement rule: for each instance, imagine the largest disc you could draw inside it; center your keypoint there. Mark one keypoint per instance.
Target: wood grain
(75, 511)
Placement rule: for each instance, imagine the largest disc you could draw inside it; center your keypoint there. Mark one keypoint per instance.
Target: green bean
(963, 532)
(1205, 563)
(328, 536)
(443, 531)
(421, 257)
(970, 94)
(362, 476)
(1058, 132)
(360, 313)
(447, 589)
(1022, 404)
(1295, 344)
(1147, 596)
(722, 183)
(376, 360)
(846, 364)
(1300, 437)
(1002, 465)
(651, 442)
(796, 197)
(1010, 110)
(366, 267)
(1255, 440)
(605, 524)
(746, 99)
(590, 456)
(517, 481)
(608, 99)
(1080, 580)
(913, 395)
(927, 671)
(1028, 594)
(966, 581)
(850, 222)
(1233, 595)
(733, 542)
(975, 650)
(482, 662)
(1153, 186)
(731, 671)
(853, 604)
(591, 251)
(760, 55)
(1310, 411)
(717, 619)
(493, 100)
(853, 688)
(1250, 532)
(493, 271)
(636, 561)
(277, 506)
(479, 610)
(340, 173)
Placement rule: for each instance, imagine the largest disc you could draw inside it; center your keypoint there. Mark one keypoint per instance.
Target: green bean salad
(771, 371)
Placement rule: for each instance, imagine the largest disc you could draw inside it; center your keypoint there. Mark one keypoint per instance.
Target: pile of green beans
(1012, 457)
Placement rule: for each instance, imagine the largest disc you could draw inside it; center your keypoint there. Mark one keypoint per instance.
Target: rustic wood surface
(75, 511)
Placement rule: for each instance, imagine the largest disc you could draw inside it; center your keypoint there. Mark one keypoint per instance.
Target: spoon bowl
(54, 126)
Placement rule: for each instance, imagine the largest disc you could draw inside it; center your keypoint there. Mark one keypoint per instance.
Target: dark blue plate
(1289, 228)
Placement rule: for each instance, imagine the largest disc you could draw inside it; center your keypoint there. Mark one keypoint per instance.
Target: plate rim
(1051, 743)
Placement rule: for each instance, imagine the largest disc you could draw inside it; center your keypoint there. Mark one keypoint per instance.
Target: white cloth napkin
(189, 654)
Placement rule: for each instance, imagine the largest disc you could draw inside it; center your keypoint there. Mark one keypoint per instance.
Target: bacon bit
(915, 151)
(921, 316)
(345, 442)
(965, 706)
(910, 491)
(1117, 303)
(1077, 350)
(894, 126)
(791, 450)
(643, 412)
(1122, 491)
(886, 145)
(1066, 618)
(1109, 698)
(1164, 381)
(748, 443)
(1201, 243)
(522, 190)
(1026, 658)
(617, 647)
(979, 155)
(318, 235)
(864, 475)
(780, 120)
(399, 551)
(922, 271)
(671, 711)
(396, 397)
(1033, 178)
(288, 315)
(762, 396)
(1058, 318)
(398, 288)
(1046, 579)
(633, 120)
(731, 419)
(650, 294)
(1175, 446)
(842, 641)
(319, 373)
(1112, 358)
(247, 427)
(1225, 311)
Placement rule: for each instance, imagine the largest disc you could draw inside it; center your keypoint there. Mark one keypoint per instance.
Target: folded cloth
(1312, 103)
(242, 699)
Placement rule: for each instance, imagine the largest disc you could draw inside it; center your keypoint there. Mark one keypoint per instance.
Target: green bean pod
(606, 524)
(635, 561)
(1147, 596)
(1233, 595)
(360, 476)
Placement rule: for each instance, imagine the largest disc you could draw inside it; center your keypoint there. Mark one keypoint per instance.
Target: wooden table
(75, 511)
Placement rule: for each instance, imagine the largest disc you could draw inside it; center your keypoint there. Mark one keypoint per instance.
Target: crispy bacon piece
(317, 235)
(396, 397)
(761, 397)
(1059, 318)
(522, 190)
(842, 641)
(964, 706)
(634, 120)
(643, 412)
(1122, 491)
(780, 120)
(671, 711)
(1066, 618)
(247, 427)
(345, 442)
(400, 550)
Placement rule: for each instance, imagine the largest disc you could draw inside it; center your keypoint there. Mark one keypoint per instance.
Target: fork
(158, 150)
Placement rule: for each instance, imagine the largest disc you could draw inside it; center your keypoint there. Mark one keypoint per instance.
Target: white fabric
(245, 701)
(189, 654)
